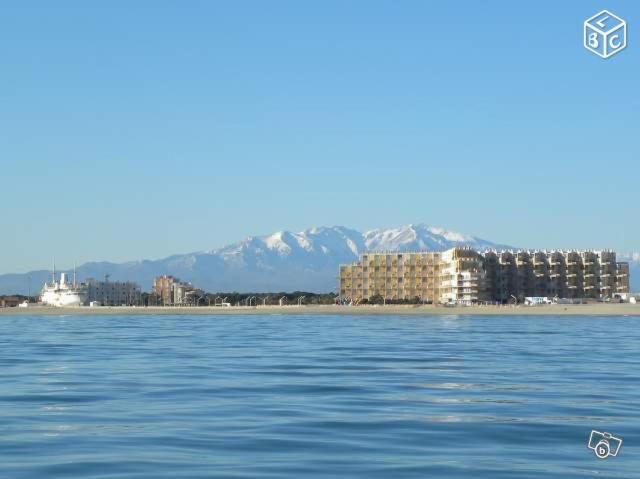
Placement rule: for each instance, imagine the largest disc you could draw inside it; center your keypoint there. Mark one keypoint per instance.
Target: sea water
(285, 396)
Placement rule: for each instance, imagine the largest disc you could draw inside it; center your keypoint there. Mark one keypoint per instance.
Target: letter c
(614, 45)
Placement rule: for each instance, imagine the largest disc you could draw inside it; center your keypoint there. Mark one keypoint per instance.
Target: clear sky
(141, 129)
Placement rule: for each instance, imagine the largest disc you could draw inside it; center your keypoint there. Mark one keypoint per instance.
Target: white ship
(62, 294)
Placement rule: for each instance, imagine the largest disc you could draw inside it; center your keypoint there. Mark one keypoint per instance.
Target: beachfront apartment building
(467, 276)
(462, 276)
(185, 294)
(163, 288)
(393, 276)
(455, 275)
(170, 291)
(113, 293)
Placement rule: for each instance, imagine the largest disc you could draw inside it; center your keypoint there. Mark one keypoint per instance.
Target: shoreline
(594, 309)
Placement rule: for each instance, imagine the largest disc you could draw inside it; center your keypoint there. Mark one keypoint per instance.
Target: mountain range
(282, 261)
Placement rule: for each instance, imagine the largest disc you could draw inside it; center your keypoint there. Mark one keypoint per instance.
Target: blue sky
(140, 129)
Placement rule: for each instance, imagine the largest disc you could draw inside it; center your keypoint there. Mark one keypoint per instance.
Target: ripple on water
(322, 396)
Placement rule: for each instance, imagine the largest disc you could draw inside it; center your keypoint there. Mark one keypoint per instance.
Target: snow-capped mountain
(421, 237)
(282, 261)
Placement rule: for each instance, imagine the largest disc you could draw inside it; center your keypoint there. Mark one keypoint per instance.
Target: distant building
(393, 276)
(163, 289)
(622, 279)
(10, 301)
(466, 276)
(185, 294)
(461, 277)
(170, 291)
(113, 293)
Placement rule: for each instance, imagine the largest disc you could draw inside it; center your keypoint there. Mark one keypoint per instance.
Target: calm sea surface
(317, 396)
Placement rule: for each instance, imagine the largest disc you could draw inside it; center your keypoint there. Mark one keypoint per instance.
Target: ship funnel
(63, 279)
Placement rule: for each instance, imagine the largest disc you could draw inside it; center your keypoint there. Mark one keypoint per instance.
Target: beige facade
(163, 288)
(170, 291)
(392, 276)
(425, 277)
(464, 275)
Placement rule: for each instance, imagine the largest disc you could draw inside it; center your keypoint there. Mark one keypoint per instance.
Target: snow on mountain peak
(419, 237)
(450, 235)
(276, 242)
(303, 241)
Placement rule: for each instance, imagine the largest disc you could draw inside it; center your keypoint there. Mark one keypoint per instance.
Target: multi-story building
(451, 276)
(170, 291)
(622, 279)
(392, 276)
(113, 293)
(464, 275)
(186, 294)
(163, 289)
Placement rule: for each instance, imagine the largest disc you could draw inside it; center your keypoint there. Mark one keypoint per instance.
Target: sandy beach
(596, 309)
